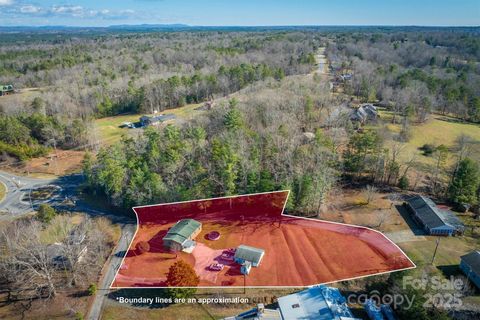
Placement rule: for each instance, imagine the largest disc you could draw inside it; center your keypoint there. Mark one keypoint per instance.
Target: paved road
(14, 203)
(17, 203)
(128, 230)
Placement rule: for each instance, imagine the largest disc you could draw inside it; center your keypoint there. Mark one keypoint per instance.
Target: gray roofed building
(317, 303)
(181, 235)
(364, 113)
(434, 220)
(470, 265)
(155, 120)
(248, 257)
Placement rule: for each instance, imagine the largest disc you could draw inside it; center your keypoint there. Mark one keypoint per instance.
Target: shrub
(428, 149)
(92, 289)
(45, 213)
(142, 247)
(403, 183)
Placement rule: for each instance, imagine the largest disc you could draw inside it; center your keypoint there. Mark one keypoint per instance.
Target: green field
(449, 250)
(436, 131)
(3, 191)
(110, 131)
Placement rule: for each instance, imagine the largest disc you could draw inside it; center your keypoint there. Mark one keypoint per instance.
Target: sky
(240, 12)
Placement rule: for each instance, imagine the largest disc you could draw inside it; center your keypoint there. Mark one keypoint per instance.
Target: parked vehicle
(216, 267)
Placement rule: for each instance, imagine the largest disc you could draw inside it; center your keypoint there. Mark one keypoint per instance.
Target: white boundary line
(282, 214)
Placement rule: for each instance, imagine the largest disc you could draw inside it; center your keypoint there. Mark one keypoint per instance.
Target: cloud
(6, 2)
(30, 9)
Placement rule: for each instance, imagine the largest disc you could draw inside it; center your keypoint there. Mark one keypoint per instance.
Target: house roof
(431, 215)
(256, 314)
(472, 259)
(182, 230)
(319, 303)
(248, 253)
(160, 118)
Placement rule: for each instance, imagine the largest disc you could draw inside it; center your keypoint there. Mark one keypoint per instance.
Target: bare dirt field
(298, 251)
(57, 163)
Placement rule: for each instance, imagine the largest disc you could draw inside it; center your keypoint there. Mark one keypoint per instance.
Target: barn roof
(182, 230)
(431, 215)
(472, 259)
(248, 253)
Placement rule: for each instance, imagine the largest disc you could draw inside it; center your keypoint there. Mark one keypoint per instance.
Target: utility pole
(435, 252)
(244, 283)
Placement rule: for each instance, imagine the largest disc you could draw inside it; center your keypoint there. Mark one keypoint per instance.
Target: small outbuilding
(180, 237)
(433, 220)
(6, 89)
(470, 265)
(248, 257)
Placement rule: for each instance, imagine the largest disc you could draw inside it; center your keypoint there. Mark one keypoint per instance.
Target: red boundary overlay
(258, 211)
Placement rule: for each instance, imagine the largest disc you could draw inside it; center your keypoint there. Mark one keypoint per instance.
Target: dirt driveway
(204, 257)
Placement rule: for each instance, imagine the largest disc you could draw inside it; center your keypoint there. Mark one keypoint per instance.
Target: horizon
(248, 13)
(180, 24)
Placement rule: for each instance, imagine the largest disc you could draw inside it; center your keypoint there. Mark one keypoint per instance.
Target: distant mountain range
(185, 27)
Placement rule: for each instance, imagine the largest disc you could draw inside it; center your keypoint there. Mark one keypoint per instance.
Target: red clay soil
(298, 251)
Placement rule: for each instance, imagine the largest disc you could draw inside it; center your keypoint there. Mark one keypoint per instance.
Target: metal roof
(159, 118)
(317, 303)
(256, 314)
(430, 215)
(248, 253)
(182, 230)
(472, 259)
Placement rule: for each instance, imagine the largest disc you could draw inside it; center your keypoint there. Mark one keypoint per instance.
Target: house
(146, 121)
(322, 303)
(57, 255)
(364, 113)
(181, 235)
(248, 257)
(433, 220)
(316, 303)
(6, 89)
(470, 265)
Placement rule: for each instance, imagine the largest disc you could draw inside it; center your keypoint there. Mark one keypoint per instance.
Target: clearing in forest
(298, 251)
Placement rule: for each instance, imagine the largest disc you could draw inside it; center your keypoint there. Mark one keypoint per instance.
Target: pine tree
(465, 183)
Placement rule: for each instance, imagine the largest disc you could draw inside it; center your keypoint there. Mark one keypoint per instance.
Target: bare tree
(369, 193)
(27, 261)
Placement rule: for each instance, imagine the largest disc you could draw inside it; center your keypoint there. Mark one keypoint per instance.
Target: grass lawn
(449, 250)
(3, 191)
(110, 131)
(173, 312)
(109, 128)
(436, 131)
